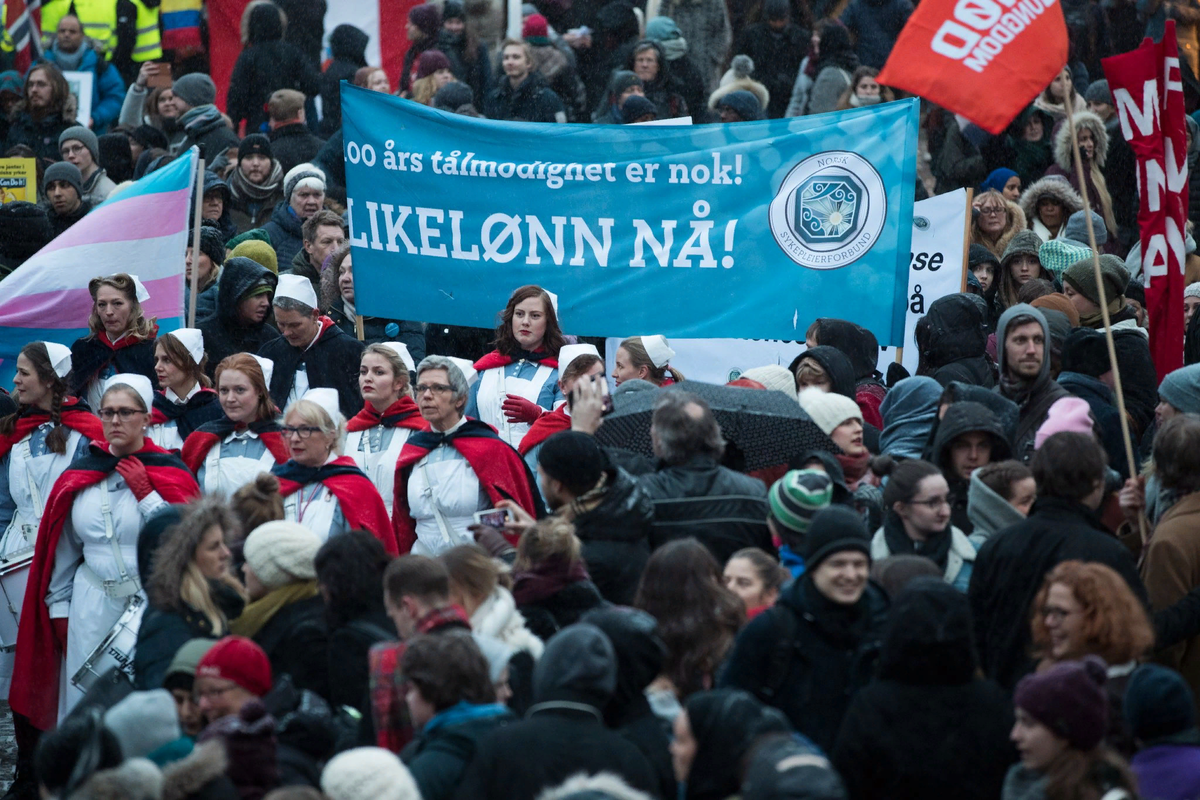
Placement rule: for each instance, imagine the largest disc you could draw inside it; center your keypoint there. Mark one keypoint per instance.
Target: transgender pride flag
(143, 231)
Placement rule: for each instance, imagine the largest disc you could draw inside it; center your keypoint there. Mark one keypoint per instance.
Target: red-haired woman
(120, 338)
(230, 452)
(518, 381)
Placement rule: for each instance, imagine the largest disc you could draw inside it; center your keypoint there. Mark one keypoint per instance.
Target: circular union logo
(921, 223)
(829, 211)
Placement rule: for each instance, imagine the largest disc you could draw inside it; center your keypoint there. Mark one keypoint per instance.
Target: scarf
(547, 579)
(870, 100)
(244, 191)
(306, 476)
(936, 547)
(498, 359)
(1096, 320)
(197, 119)
(854, 467)
(840, 624)
(256, 615)
(674, 49)
(69, 61)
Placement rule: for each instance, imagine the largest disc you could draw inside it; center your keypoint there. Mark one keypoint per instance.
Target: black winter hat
(24, 229)
(835, 530)
(742, 103)
(978, 254)
(1085, 351)
(635, 107)
(1134, 290)
(783, 768)
(775, 10)
(453, 96)
(452, 9)
(639, 647)
(1158, 704)
(149, 137)
(579, 665)
(574, 459)
(212, 243)
(255, 144)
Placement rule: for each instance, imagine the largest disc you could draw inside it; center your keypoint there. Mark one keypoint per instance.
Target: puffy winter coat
(285, 231)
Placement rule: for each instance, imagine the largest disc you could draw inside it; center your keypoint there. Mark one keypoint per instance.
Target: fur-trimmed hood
(602, 784)
(134, 779)
(745, 85)
(1016, 224)
(1062, 140)
(185, 778)
(498, 618)
(1055, 186)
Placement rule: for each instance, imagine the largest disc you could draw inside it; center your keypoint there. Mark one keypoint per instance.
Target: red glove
(60, 632)
(518, 409)
(134, 473)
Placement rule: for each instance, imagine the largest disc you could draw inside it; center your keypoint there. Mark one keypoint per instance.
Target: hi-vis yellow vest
(148, 45)
(99, 19)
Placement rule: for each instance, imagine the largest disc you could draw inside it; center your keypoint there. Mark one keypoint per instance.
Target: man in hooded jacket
(1022, 339)
(957, 344)
(968, 437)
(243, 306)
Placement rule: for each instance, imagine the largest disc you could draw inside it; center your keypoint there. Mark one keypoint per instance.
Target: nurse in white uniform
(186, 399)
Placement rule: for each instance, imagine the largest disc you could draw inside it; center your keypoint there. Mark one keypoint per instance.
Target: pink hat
(1070, 414)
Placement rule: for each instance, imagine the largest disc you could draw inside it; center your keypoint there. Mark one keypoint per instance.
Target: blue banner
(750, 230)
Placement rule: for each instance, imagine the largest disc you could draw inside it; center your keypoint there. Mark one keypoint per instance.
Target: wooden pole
(1103, 298)
(358, 328)
(199, 192)
(967, 240)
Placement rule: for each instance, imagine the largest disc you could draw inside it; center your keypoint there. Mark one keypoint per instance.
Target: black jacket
(777, 56)
(349, 675)
(1009, 570)
(207, 130)
(438, 758)
(1103, 406)
(332, 361)
(958, 343)
(665, 91)
(266, 65)
(286, 232)
(164, 631)
(294, 144)
(928, 727)
(723, 509)
(378, 329)
(306, 27)
(41, 135)
(224, 334)
(532, 101)
(296, 641)
(348, 46)
(89, 356)
(960, 418)
(834, 654)
(616, 538)
(548, 615)
(60, 222)
(478, 73)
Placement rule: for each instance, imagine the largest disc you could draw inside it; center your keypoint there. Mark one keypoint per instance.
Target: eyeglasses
(932, 503)
(72, 149)
(436, 388)
(109, 414)
(304, 431)
(200, 694)
(991, 211)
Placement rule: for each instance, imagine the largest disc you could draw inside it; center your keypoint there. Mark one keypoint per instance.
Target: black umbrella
(767, 427)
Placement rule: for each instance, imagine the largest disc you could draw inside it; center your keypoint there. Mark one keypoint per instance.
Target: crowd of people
(294, 553)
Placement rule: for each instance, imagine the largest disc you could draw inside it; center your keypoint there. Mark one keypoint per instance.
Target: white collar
(245, 433)
(177, 400)
(320, 330)
(461, 421)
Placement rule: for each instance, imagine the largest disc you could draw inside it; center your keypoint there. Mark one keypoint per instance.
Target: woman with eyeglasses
(376, 435)
(458, 467)
(84, 574)
(186, 400)
(996, 221)
(322, 489)
(120, 338)
(228, 453)
(916, 502)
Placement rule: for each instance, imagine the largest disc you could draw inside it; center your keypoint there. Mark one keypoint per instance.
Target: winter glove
(60, 632)
(518, 409)
(135, 475)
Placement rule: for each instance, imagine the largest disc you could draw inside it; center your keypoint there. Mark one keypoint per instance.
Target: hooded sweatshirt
(1033, 397)
(962, 418)
(909, 413)
(988, 511)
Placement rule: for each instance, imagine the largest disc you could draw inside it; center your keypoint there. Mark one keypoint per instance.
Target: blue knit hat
(1181, 389)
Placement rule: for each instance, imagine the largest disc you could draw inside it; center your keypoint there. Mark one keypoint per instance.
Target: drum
(14, 574)
(116, 650)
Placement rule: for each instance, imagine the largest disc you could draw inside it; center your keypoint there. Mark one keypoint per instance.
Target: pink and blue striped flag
(143, 231)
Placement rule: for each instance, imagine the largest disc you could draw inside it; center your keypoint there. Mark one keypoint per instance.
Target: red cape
(74, 418)
(498, 359)
(543, 428)
(359, 499)
(401, 414)
(197, 445)
(34, 690)
(502, 473)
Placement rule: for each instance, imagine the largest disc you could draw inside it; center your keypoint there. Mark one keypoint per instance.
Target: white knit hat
(144, 722)
(281, 552)
(828, 409)
(1192, 290)
(368, 773)
(774, 377)
(60, 358)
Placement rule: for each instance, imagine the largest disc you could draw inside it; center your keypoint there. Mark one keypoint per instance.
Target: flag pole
(191, 317)
(1103, 298)
(967, 241)
(358, 327)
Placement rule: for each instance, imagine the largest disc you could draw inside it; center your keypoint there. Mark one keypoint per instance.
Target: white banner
(935, 270)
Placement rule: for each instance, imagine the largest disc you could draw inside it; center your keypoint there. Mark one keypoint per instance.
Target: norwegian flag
(24, 31)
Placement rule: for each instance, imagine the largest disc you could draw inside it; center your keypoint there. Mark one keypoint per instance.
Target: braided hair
(38, 356)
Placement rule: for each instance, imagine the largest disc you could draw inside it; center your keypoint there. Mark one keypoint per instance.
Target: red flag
(1147, 91)
(24, 24)
(984, 59)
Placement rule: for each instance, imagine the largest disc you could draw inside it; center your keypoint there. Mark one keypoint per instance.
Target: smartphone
(607, 401)
(161, 77)
(494, 517)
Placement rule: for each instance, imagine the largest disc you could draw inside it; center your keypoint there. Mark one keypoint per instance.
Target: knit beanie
(452, 96)
(64, 171)
(84, 137)
(828, 409)
(452, 9)
(1136, 292)
(798, 496)
(302, 175)
(1024, 243)
(281, 552)
(1082, 277)
(10, 83)
(1059, 302)
(1058, 254)
(635, 107)
(24, 229)
(978, 254)
(237, 659)
(368, 773)
(144, 722)
(212, 243)
(835, 530)
(1067, 415)
(1158, 703)
(1181, 389)
(1098, 92)
(1076, 229)
(182, 672)
(430, 62)
(427, 18)
(1069, 699)
(574, 459)
(774, 377)
(1086, 352)
(535, 27)
(149, 137)
(195, 89)
(1192, 290)
(742, 103)
(256, 144)
(259, 252)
